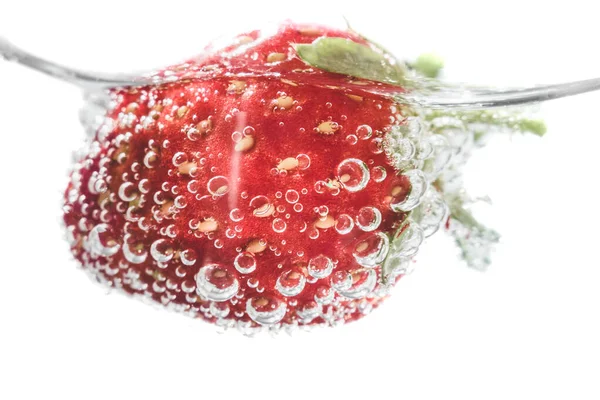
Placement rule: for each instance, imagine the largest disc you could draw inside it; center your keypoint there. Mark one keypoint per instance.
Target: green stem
(475, 240)
(512, 121)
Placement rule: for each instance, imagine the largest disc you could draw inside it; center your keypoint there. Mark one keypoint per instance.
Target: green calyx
(344, 56)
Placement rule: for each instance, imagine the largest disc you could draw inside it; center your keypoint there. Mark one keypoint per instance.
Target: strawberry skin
(251, 191)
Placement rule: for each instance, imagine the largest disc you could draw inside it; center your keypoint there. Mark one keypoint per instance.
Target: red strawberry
(254, 190)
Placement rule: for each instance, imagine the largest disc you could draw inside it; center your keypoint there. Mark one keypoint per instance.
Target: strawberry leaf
(343, 56)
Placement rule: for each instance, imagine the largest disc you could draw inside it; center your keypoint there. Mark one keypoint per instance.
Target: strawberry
(256, 186)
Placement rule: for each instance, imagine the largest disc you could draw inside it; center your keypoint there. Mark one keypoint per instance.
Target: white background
(526, 329)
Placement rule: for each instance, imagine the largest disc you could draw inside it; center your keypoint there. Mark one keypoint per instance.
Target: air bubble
(364, 132)
(245, 262)
(363, 282)
(308, 311)
(368, 219)
(161, 250)
(440, 157)
(134, 252)
(218, 186)
(376, 146)
(127, 191)
(320, 266)
(324, 295)
(431, 213)
(179, 158)
(236, 215)
(188, 286)
(399, 149)
(322, 211)
(261, 206)
(151, 160)
(160, 198)
(352, 139)
(344, 224)
(378, 174)
(412, 127)
(320, 187)
(279, 225)
(236, 136)
(219, 310)
(193, 134)
(303, 161)
(407, 240)
(193, 186)
(102, 241)
(188, 257)
(418, 186)
(423, 149)
(372, 250)
(291, 196)
(290, 283)
(341, 280)
(266, 311)
(180, 202)
(144, 186)
(215, 283)
(353, 174)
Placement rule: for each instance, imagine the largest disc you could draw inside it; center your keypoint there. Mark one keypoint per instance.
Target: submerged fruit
(250, 189)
